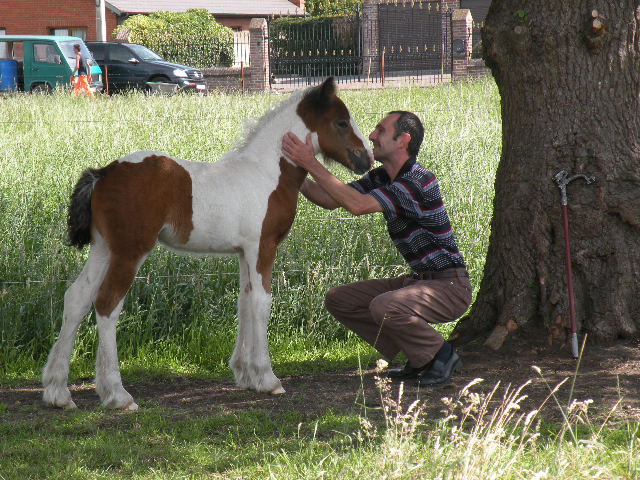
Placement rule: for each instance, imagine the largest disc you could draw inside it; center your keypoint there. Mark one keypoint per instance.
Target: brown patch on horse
(281, 211)
(130, 205)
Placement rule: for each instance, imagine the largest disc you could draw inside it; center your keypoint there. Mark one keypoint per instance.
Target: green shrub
(193, 37)
(331, 7)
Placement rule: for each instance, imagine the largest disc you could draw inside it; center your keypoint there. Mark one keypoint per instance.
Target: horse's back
(197, 207)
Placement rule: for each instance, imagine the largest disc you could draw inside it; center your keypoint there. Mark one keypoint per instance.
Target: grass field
(179, 319)
(180, 314)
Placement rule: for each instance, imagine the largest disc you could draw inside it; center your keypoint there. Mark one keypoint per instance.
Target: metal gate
(306, 51)
(402, 42)
(414, 39)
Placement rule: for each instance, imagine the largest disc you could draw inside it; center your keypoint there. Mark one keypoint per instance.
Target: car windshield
(67, 49)
(144, 53)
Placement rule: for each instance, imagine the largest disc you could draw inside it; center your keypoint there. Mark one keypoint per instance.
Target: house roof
(260, 8)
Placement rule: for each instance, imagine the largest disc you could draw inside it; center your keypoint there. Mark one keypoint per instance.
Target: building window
(71, 31)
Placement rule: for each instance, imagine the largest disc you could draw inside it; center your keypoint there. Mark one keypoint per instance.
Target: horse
(244, 204)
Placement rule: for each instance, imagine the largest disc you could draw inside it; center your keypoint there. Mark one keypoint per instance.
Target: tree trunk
(568, 72)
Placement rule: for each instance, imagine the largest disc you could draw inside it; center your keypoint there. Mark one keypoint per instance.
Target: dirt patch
(609, 375)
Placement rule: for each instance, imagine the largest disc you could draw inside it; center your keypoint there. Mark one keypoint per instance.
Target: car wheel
(42, 88)
(157, 79)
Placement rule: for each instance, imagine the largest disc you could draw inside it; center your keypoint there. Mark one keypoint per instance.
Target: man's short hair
(409, 123)
(76, 46)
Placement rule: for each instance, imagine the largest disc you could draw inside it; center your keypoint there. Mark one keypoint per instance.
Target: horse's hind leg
(77, 303)
(109, 302)
(250, 361)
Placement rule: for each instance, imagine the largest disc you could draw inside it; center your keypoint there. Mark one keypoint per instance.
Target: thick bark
(568, 72)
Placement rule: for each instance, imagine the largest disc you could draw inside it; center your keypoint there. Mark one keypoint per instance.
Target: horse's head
(338, 136)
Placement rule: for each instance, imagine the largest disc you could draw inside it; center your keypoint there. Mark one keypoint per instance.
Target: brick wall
(226, 79)
(450, 4)
(38, 17)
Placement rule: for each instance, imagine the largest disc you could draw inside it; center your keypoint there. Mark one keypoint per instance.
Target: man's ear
(404, 139)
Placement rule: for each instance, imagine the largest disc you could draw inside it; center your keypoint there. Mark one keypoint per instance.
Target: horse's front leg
(250, 362)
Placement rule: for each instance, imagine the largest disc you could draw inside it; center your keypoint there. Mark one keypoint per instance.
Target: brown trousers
(393, 314)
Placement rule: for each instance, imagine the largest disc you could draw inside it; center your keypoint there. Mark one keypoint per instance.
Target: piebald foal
(244, 204)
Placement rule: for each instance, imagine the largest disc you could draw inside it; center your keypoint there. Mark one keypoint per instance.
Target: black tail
(79, 219)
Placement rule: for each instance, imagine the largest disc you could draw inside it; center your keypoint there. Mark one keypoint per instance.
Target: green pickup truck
(42, 63)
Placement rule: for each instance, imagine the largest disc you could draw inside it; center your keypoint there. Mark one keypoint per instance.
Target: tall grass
(180, 313)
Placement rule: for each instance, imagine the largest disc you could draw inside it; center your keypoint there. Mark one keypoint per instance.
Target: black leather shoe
(440, 372)
(406, 372)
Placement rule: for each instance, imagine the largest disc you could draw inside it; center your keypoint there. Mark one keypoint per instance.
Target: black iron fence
(403, 42)
(414, 38)
(314, 48)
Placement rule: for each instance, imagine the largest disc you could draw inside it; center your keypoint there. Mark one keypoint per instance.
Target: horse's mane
(252, 126)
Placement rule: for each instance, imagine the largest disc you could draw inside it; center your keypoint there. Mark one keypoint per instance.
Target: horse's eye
(343, 124)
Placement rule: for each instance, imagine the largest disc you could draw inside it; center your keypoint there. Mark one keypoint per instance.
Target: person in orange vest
(82, 68)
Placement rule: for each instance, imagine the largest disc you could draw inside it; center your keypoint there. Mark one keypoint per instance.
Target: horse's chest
(283, 202)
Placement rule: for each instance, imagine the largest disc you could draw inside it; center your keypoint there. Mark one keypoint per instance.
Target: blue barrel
(8, 75)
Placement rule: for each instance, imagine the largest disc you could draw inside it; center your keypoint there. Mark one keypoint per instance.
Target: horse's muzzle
(360, 160)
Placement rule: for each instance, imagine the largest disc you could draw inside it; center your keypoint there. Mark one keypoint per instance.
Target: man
(84, 73)
(394, 314)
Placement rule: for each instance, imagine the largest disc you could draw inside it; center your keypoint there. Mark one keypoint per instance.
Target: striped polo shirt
(416, 217)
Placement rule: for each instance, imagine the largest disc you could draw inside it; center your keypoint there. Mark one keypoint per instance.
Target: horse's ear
(328, 87)
(320, 98)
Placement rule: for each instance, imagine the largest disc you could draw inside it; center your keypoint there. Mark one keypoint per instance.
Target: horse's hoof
(62, 401)
(278, 390)
(70, 405)
(131, 406)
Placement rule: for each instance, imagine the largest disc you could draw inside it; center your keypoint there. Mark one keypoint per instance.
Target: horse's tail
(79, 218)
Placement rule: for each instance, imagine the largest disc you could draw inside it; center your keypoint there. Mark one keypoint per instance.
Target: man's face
(382, 139)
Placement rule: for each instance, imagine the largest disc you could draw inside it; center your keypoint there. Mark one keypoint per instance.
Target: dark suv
(128, 65)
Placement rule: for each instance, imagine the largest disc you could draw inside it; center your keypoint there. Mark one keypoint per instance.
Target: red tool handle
(572, 306)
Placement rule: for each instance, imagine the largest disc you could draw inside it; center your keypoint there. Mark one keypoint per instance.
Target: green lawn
(179, 318)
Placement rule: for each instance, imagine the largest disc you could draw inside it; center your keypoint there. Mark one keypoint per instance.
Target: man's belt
(432, 275)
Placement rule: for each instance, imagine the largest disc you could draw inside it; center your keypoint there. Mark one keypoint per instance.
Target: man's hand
(327, 184)
(298, 152)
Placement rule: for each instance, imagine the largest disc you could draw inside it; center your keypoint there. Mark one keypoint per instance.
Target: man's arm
(343, 195)
(316, 194)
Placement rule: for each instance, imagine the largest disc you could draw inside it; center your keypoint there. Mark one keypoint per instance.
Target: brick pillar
(370, 53)
(447, 8)
(462, 24)
(258, 56)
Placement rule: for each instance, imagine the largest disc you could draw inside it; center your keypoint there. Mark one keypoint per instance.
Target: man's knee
(381, 307)
(334, 300)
